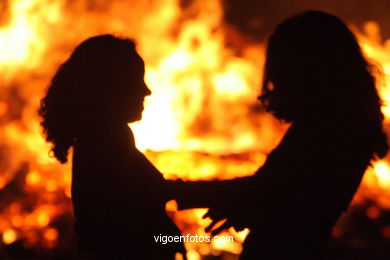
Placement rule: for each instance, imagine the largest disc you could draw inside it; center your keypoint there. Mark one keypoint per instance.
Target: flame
(376, 181)
(201, 122)
(9, 236)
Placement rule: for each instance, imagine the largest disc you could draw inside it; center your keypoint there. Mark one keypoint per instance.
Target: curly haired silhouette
(118, 195)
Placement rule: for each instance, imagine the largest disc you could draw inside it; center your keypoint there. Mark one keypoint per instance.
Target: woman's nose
(147, 91)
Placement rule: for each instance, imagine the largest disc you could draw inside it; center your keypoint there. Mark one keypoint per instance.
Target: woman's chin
(134, 118)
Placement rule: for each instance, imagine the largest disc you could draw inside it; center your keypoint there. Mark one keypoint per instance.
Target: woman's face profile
(135, 91)
(127, 102)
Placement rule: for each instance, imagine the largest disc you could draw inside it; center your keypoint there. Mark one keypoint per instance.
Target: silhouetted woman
(316, 78)
(118, 196)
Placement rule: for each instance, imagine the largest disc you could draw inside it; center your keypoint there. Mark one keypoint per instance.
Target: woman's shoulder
(321, 144)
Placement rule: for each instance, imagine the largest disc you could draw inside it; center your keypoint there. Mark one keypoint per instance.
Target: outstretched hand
(217, 216)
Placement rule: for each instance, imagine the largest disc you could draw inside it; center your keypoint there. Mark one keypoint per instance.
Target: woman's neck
(107, 131)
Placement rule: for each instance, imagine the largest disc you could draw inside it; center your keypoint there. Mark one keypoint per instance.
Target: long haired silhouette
(316, 78)
(315, 69)
(118, 195)
(88, 87)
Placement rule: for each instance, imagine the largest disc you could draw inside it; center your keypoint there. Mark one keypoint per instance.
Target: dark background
(257, 17)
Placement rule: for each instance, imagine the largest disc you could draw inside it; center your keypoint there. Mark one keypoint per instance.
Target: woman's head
(313, 63)
(315, 69)
(101, 83)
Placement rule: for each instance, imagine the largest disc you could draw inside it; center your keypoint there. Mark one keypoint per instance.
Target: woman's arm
(206, 194)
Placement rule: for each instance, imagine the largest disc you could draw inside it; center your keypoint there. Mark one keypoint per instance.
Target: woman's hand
(217, 216)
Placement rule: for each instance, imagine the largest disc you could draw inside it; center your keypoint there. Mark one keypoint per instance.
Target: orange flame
(201, 122)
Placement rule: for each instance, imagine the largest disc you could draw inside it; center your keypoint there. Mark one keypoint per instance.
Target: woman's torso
(304, 186)
(118, 197)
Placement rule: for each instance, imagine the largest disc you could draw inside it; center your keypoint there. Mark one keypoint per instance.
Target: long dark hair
(80, 86)
(315, 69)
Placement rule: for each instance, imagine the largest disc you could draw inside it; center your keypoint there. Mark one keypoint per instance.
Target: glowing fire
(202, 121)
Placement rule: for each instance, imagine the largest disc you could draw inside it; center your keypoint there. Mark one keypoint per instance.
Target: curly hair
(315, 69)
(80, 85)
